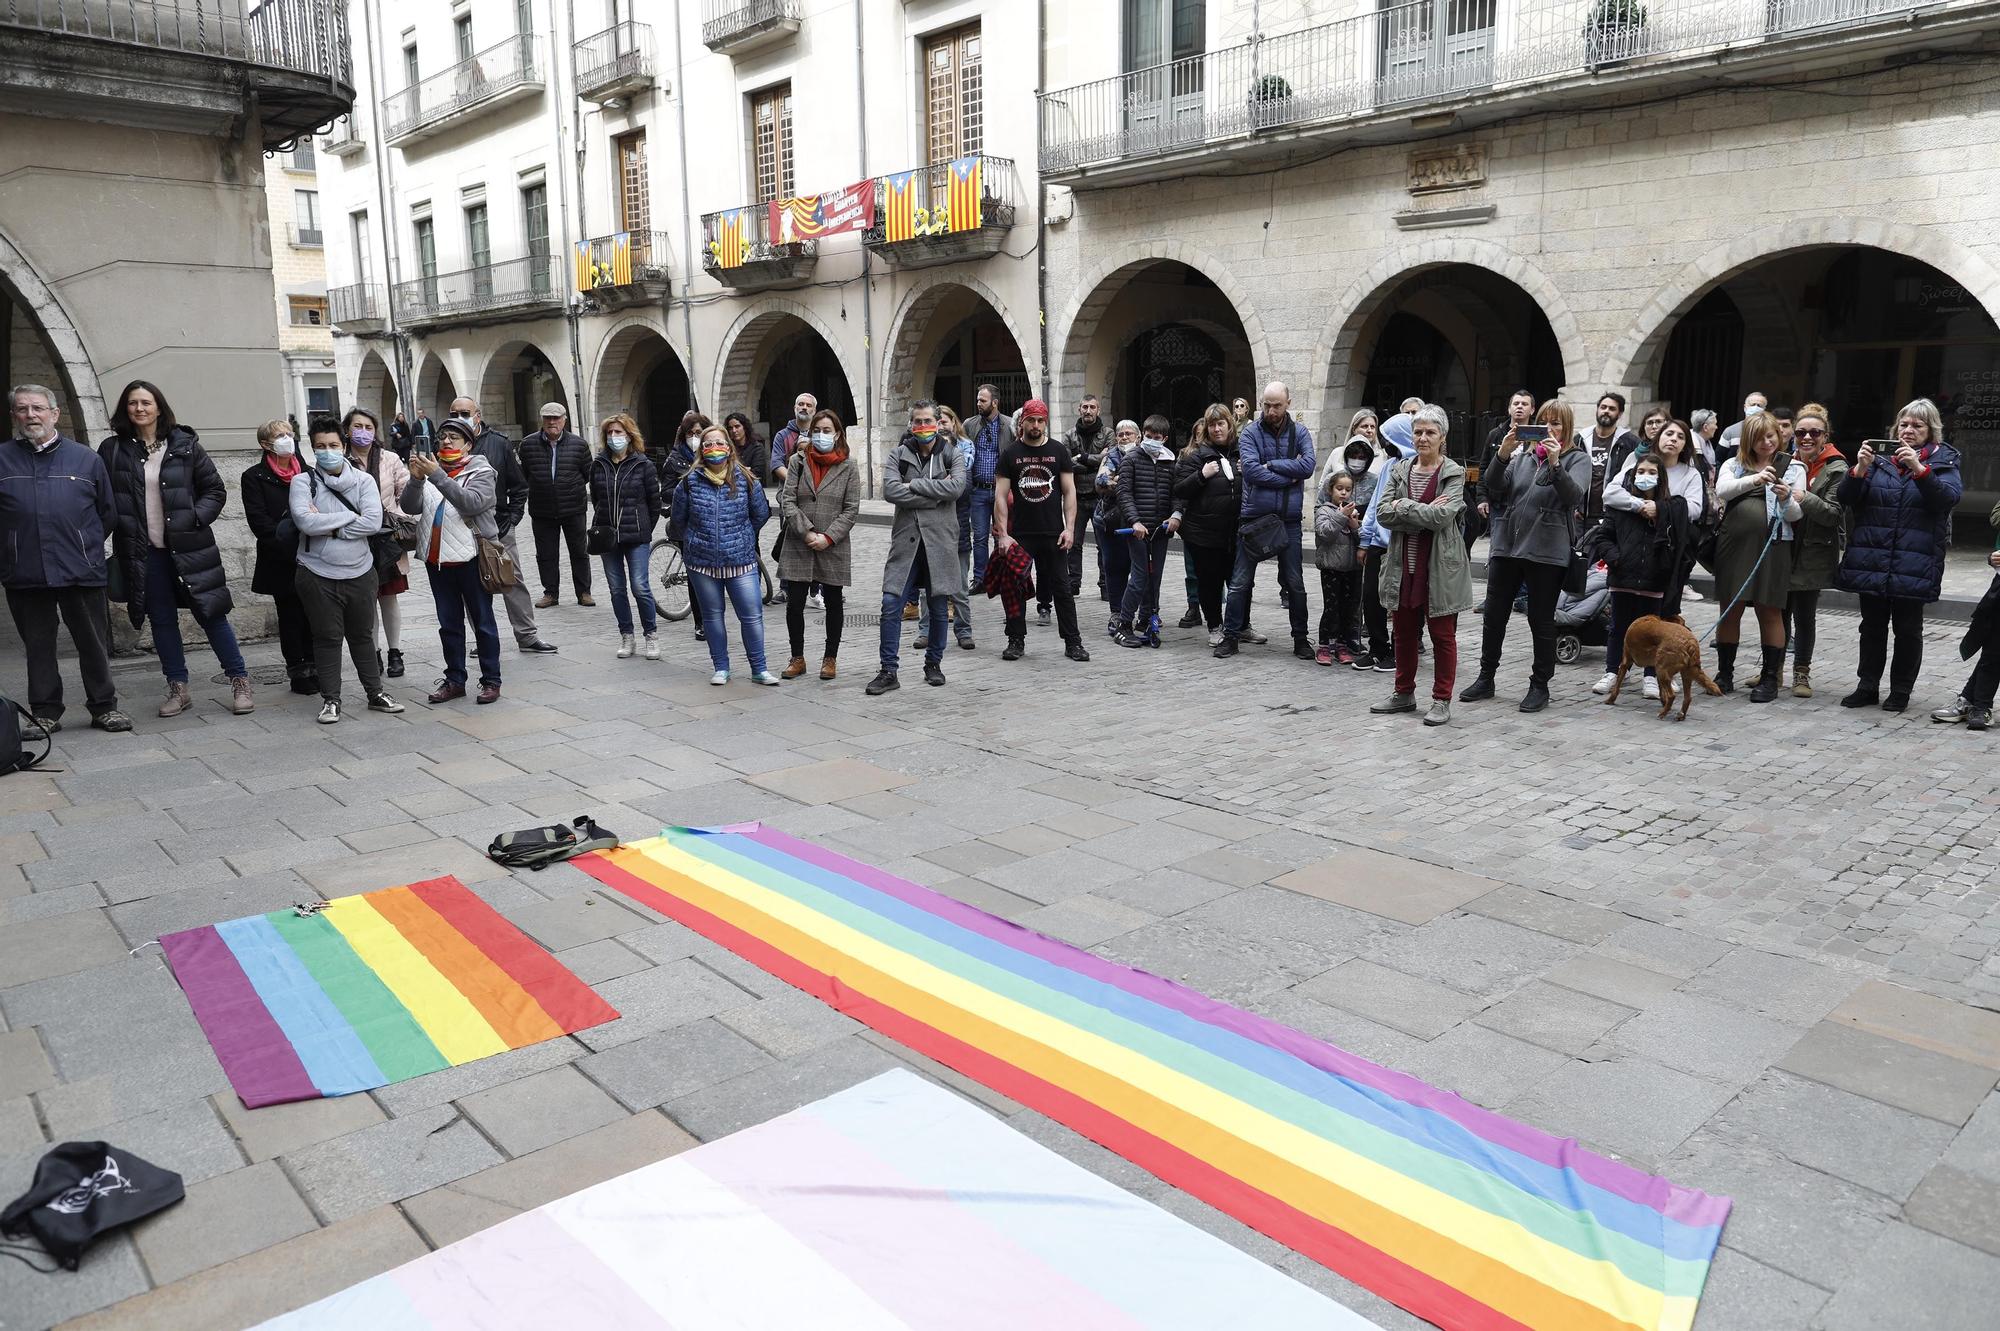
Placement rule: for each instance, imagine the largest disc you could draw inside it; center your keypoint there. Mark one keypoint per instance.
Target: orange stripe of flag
(509, 1009)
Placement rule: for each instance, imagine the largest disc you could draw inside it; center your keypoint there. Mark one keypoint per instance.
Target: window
(427, 257)
(771, 124)
(478, 242)
(954, 98)
(524, 17)
(634, 207)
(302, 156)
(461, 27)
(1159, 31)
(320, 401)
(308, 311)
(535, 226)
(364, 261)
(409, 64)
(305, 216)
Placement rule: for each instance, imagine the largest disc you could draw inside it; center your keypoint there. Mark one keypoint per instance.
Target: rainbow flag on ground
(372, 989)
(1464, 1217)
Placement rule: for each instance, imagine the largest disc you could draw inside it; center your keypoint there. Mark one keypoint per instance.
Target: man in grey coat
(923, 477)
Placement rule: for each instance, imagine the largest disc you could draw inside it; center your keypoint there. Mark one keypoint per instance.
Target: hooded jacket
(1902, 526)
(1397, 444)
(192, 496)
(1642, 556)
(1336, 543)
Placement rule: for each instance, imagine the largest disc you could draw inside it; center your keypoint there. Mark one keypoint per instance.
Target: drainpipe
(687, 215)
(867, 412)
(572, 311)
(385, 206)
(1041, 196)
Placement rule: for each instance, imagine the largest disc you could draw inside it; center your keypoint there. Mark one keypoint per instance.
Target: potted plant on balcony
(1270, 101)
(1615, 30)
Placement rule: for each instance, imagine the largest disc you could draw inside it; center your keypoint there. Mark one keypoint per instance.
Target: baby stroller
(1584, 621)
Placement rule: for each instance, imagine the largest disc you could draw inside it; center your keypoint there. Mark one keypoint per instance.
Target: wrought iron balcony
(630, 268)
(360, 308)
(489, 293)
(294, 52)
(737, 251)
(500, 74)
(307, 237)
(732, 27)
(942, 213)
(615, 63)
(1367, 76)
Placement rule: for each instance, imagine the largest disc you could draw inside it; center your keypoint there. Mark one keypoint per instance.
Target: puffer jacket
(55, 511)
(1276, 469)
(193, 497)
(1902, 526)
(1642, 556)
(625, 496)
(1146, 488)
(1209, 504)
(511, 499)
(558, 474)
(267, 508)
(718, 523)
(1822, 532)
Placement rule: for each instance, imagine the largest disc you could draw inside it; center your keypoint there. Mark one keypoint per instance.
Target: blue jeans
(459, 594)
(744, 593)
(1117, 556)
(1142, 586)
(165, 617)
(1243, 581)
(634, 563)
(982, 531)
(892, 623)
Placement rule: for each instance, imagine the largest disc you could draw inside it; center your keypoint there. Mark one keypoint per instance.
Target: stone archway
(745, 359)
(641, 371)
(436, 386)
(375, 387)
(84, 413)
(911, 362)
(516, 372)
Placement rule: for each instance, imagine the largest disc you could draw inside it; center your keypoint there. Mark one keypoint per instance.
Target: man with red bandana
(1034, 505)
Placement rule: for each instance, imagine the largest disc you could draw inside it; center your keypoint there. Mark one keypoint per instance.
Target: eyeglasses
(1810, 434)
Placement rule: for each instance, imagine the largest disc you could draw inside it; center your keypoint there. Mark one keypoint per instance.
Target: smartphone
(1531, 434)
(1885, 450)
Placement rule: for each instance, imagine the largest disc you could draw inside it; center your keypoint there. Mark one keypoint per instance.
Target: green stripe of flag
(393, 1037)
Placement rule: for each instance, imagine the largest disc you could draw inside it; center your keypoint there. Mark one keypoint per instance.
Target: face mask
(714, 458)
(1752, 411)
(823, 442)
(1644, 481)
(923, 433)
(451, 457)
(1357, 465)
(283, 446)
(362, 435)
(615, 442)
(329, 459)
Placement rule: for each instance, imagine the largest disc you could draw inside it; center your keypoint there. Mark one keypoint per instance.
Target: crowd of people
(1000, 506)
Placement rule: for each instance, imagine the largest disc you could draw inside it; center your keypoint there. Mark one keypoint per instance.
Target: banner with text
(816, 215)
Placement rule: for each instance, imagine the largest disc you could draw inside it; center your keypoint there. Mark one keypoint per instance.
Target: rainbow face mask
(713, 458)
(923, 433)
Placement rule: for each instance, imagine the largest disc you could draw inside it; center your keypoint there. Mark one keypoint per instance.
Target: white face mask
(1644, 481)
(823, 442)
(283, 446)
(615, 442)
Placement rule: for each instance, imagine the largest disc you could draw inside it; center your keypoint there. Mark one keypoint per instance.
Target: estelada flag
(621, 260)
(899, 214)
(584, 276)
(962, 200)
(731, 244)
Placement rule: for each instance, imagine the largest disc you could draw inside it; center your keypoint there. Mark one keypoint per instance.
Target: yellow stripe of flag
(446, 1015)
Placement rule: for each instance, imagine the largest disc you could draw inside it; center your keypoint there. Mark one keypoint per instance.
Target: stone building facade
(298, 278)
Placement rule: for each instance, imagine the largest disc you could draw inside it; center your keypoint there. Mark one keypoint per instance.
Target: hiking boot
(1075, 652)
(933, 674)
(585, 598)
(1303, 649)
(446, 691)
(113, 722)
(1439, 714)
(240, 700)
(625, 646)
(1479, 690)
(176, 701)
(1863, 696)
(796, 668)
(1015, 648)
(329, 712)
(548, 599)
(1802, 681)
(1192, 619)
(827, 669)
(488, 693)
(881, 684)
(1396, 702)
(1535, 699)
(651, 646)
(382, 702)
(395, 667)
(1953, 712)
(1227, 647)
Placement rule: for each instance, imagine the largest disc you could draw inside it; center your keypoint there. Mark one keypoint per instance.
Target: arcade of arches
(951, 341)
(639, 372)
(796, 359)
(1166, 341)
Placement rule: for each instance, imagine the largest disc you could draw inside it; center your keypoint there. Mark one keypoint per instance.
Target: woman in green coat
(1822, 534)
(1426, 576)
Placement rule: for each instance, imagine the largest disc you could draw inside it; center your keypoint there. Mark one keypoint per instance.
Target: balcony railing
(943, 213)
(497, 75)
(625, 268)
(342, 140)
(730, 26)
(737, 250)
(360, 308)
(307, 237)
(471, 294)
(615, 62)
(1401, 57)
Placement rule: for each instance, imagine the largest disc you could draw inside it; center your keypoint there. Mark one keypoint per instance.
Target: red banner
(816, 215)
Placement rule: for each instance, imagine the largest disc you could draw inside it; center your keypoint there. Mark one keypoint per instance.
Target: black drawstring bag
(86, 1189)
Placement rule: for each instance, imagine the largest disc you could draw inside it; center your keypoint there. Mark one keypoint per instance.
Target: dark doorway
(803, 363)
(1174, 371)
(981, 351)
(1703, 365)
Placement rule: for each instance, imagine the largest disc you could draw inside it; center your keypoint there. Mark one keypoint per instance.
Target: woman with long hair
(1759, 489)
(819, 504)
(1208, 483)
(1821, 535)
(169, 496)
(625, 501)
(266, 486)
(361, 432)
(718, 508)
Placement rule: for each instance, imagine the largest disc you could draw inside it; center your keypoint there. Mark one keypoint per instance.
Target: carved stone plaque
(1462, 166)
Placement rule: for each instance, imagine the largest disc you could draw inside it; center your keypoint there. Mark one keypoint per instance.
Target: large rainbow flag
(372, 989)
(1458, 1214)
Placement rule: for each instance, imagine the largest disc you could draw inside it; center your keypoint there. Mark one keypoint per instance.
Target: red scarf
(283, 468)
(821, 466)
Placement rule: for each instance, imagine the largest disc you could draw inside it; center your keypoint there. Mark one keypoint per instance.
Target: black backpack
(539, 847)
(83, 1190)
(14, 754)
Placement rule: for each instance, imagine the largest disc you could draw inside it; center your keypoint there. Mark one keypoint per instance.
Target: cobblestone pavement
(1754, 951)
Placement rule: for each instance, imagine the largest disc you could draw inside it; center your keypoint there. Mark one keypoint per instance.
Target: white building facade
(298, 273)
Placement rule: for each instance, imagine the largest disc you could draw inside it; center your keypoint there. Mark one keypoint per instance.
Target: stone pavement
(1755, 952)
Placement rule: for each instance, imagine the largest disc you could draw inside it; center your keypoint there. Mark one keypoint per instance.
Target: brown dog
(1670, 648)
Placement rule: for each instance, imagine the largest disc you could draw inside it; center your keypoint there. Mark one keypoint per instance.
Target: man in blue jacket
(1276, 455)
(55, 498)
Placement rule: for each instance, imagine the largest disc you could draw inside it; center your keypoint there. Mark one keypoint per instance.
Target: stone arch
(375, 387)
(84, 414)
(903, 377)
(738, 371)
(1634, 359)
(628, 358)
(436, 386)
(1102, 284)
(496, 389)
(1333, 386)
(608, 387)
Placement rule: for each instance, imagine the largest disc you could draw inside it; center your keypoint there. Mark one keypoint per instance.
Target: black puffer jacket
(558, 474)
(1210, 505)
(625, 496)
(512, 496)
(193, 497)
(1087, 451)
(267, 505)
(1145, 489)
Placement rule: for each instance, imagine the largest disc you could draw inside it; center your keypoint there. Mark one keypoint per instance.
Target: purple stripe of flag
(1681, 1204)
(253, 1050)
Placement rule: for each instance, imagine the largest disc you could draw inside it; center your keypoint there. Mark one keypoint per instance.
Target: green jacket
(1822, 531)
(1451, 568)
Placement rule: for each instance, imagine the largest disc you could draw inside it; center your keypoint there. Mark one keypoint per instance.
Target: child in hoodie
(1337, 531)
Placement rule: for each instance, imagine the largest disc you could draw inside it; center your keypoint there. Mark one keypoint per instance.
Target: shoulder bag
(386, 549)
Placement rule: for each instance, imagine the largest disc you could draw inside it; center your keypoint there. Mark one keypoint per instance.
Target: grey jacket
(925, 491)
(1535, 506)
(1450, 587)
(473, 494)
(333, 541)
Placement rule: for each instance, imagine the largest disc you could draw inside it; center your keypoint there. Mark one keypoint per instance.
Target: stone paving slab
(1917, 1281)
(1890, 1071)
(220, 1219)
(1960, 1206)
(275, 1130)
(1925, 1020)
(1387, 885)
(1883, 1149)
(352, 1174)
(1627, 1106)
(1418, 1007)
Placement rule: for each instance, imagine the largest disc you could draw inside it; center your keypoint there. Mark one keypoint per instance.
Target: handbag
(1263, 536)
(383, 545)
(597, 539)
(496, 567)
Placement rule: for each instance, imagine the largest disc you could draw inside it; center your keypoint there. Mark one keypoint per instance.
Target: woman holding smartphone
(1759, 489)
(1900, 496)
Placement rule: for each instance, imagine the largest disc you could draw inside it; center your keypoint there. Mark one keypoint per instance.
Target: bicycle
(676, 597)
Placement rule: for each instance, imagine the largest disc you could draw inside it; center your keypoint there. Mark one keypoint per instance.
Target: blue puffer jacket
(1902, 526)
(56, 509)
(718, 524)
(1276, 468)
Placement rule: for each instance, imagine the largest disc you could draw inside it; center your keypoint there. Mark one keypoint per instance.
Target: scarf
(283, 468)
(1827, 453)
(822, 464)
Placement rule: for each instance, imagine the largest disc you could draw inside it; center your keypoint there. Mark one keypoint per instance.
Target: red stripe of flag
(570, 1002)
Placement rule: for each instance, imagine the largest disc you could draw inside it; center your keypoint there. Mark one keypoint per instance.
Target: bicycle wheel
(676, 598)
(765, 584)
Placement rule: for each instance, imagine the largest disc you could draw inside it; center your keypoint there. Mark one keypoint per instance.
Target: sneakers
(446, 691)
(1215, 637)
(1324, 656)
(766, 678)
(1044, 615)
(1303, 649)
(47, 725)
(625, 646)
(1690, 594)
(113, 722)
(1479, 690)
(1535, 699)
(382, 702)
(329, 712)
(651, 646)
(1343, 654)
(1362, 661)
(547, 600)
(1127, 638)
(1395, 702)
(796, 668)
(1225, 647)
(881, 684)
(719, 678)
(395, 667)
(1439, 714)
(1863, 696)
(1650, 689)
(1605, 683)
(813, 601)
(1953, 712)
(933, 674)
(1192, 619)
(176, 701)
(965, 641)
(1978, 718)
(1075, 652)
(922, 640)
(240, 700)
(585, 598)
(488, 693)
(1015, 648)
(1252, 636)
(700, 633)
(1384, 665)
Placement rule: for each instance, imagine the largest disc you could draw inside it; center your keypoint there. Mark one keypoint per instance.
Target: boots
(625, 646)
(1802, 681)
(1774, 672)
(1725, 666)
(241, 702)
(176, 701)
(827, 669)
(795, 669)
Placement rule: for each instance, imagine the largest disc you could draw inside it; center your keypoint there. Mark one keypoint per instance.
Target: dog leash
(1770, 538)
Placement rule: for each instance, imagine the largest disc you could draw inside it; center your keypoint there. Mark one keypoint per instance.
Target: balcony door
(1431, 48)
(771, 142)
(635, 205)
(954, 102)
(479, 246)
(1165, 76)
(427, 257)
(535, 226)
